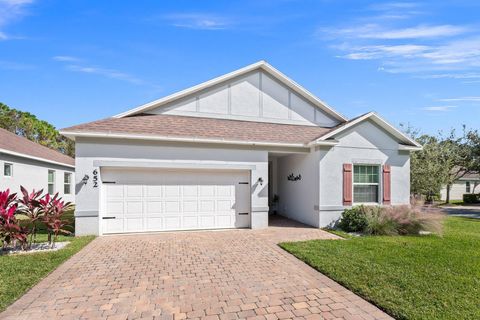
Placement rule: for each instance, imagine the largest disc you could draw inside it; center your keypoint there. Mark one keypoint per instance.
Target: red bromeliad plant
(10, 229)
(53, 209)
(30, 210)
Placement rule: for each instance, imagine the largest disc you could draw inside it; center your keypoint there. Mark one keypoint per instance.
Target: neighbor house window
(51, 181)
(366, 183)
(467, 187)
(7, 169)
(67, 180)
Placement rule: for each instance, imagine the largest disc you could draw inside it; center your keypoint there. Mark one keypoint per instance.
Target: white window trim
(11, 169)
(69, 183)
(53, 183)
(380, 184)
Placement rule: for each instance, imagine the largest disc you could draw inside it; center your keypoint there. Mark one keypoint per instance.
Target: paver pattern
(234, 274)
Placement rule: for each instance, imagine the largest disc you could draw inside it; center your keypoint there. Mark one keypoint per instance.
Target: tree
(442, 161)
(427, 169)
(458, 158)
(27, 125)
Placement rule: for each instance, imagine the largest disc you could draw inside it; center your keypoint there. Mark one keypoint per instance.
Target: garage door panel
(224, 221)
(153, 191)
(225, 191)
(113, 226)
(154, 223)
(207, 206)
(172, 207)
(207, 191)
(190, 206)
(172, 191)
(133, 225)
(134, 191)
(115, 191)
(175, 201)
(224, 205)
(133, 208)
(190, 222)
(172, 223)
(153, 207)
(190, 191)
(115, 207)
(207, 222)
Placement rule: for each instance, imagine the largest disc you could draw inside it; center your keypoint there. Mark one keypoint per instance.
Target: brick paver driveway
(233, 274)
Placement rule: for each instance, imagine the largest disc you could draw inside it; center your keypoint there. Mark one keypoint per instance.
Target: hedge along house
(217, 154)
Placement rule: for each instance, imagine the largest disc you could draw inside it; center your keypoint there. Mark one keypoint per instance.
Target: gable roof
(13, 144)
(197, 129)
(261, 65)
(410, 144)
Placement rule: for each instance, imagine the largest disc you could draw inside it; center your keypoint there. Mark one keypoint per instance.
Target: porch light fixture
(260, 180)
(85, 179)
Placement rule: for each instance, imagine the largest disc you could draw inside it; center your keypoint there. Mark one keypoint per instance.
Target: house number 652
(95, 178)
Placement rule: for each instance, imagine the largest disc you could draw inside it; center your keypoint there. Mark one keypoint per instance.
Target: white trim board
(171, 165)
(261, 65)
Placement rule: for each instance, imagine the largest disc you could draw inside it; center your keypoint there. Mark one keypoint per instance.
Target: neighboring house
(469, 183)
(213, 155)
(29, 164)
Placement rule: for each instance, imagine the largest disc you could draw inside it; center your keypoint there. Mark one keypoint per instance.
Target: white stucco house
(469, 183)
(33, 166)
(216, 154)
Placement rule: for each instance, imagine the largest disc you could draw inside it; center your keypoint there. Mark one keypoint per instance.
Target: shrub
(392, 220)
(353, 220)
(379, 222)
(32, 208)
(471, 198)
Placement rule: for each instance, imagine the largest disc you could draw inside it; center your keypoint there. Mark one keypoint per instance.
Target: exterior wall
(89, 151)
(33, 174)
(253, 97)
(459, 188)
(365, 143)
(298, 199)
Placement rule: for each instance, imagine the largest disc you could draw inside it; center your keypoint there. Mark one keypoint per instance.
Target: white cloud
(408, 45)
(66, 58)
(109, 73)
(463, 99)
(11, 10)
(200, 21)
(376, 31)
(439, 108)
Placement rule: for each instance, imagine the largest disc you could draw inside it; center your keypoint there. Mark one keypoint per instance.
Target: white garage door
(139, 200)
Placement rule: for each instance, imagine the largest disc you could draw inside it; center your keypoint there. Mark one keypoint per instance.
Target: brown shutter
(347, 184)
(387, 184)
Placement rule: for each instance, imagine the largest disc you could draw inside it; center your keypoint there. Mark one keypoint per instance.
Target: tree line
(444, 159)
(29, 126)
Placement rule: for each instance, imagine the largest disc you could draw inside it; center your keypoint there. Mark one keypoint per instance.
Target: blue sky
(75, 61)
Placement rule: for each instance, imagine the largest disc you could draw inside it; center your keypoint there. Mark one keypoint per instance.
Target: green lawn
(410, 277)
(18, 273)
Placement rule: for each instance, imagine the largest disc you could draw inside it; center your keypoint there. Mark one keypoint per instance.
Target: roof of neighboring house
(11, 143)
(471, 176)
(198, 128)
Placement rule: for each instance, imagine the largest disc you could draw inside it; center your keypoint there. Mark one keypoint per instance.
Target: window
(467, 187)
(365, 183)
(7, 169)
(51, 181)
(67, 180)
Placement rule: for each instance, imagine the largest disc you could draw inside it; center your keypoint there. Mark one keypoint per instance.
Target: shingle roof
(206, 128)
(14, 143)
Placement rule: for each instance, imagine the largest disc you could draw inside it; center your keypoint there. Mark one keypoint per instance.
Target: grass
(410, 277)
(18, 273)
